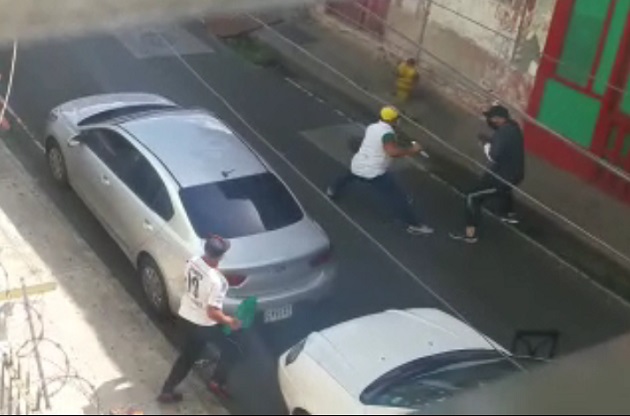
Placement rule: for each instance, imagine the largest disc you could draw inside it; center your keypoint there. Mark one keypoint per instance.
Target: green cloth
(246, 313)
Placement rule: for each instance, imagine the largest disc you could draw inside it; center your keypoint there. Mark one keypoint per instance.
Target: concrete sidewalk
(369, 66)
(99, 350)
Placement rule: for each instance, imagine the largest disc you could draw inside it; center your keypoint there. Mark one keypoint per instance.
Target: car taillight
(322, 258)
(235, 280)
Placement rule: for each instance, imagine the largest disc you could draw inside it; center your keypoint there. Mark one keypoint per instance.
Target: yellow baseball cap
(389, 114)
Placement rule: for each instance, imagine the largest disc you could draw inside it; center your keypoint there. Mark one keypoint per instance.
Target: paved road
(501, 285)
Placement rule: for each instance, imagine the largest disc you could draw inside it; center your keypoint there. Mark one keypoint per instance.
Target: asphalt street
(501, 285)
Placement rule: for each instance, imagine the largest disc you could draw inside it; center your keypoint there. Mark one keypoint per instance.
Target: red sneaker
(170, 398)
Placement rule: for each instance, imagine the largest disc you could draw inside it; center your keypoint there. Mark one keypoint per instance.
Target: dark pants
(197, 338)
(488, 189)
(392, 195)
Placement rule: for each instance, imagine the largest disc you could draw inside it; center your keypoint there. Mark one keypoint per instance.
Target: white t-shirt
(371, 160)
(205, 287)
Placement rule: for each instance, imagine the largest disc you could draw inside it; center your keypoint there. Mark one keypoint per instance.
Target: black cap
(216, 246)
(497, 111)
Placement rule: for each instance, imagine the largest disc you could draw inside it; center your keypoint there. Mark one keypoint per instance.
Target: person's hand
(483, 138)
(415, 147)
(235, 324)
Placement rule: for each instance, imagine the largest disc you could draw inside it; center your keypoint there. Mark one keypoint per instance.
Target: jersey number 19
(193, 283)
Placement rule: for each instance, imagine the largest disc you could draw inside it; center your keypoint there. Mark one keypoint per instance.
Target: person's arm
(396, 151)
(215, 309)
(218, 316)
(497, 147)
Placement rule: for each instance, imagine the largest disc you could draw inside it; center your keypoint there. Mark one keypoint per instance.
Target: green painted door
(572, 101)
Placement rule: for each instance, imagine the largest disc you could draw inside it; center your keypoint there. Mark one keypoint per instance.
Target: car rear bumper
(317, 289)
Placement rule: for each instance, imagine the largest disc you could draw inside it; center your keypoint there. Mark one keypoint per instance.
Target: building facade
(582, 91)
(563, 63)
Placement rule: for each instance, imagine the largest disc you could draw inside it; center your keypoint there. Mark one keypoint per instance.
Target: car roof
(194, 146)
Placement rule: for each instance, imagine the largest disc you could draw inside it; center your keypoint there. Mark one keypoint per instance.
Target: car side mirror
(76, 140)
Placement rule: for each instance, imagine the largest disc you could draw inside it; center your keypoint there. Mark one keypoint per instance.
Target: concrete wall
(495, 43)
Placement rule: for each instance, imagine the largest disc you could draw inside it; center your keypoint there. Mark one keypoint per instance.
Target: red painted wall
(548, 146)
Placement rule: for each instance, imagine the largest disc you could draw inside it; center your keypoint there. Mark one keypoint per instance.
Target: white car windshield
(406, 388)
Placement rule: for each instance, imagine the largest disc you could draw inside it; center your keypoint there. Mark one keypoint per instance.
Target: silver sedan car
(160, 178)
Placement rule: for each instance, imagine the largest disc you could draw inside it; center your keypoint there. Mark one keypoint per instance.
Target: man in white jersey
(371, 164)
(202, 312)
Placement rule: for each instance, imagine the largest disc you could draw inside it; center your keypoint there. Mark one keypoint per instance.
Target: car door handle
(105, 180)
(147, 225)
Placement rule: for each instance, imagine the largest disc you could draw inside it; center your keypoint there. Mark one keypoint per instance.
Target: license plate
(278, 314)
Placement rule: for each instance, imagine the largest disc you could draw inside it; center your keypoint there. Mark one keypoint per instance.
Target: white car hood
(358, 352)
(85, 107)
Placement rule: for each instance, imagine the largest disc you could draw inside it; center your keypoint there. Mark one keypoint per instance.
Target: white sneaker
(510, 219)
(420, 230)
(463, 237)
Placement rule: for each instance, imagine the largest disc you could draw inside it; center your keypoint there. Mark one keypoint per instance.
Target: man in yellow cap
(371, 164)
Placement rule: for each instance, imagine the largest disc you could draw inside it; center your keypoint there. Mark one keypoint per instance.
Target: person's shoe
(219, 390)
(170, 398)
(465, 238)
(510, 219)
(420, 230)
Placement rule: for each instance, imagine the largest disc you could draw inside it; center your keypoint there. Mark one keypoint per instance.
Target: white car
(395, 362)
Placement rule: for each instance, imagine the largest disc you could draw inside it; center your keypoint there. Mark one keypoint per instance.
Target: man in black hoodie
(506, 165)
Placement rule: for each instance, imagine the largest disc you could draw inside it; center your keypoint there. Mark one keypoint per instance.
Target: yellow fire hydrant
(406, 79)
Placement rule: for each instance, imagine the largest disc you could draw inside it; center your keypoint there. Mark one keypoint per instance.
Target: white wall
(494, 24)
(496, 43)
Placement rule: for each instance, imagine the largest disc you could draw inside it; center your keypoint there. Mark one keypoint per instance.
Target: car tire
(154, 287)
(56, 162)
(300, 412)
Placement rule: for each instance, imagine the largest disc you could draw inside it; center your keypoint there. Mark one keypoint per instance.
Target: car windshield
(240, 207)
(416, 389)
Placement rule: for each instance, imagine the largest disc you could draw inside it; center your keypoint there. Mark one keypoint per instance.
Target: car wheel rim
(56, 163)
(153, 287)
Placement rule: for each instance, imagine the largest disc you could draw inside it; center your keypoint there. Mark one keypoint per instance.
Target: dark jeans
(488, 189)
(393, 196)
(197, 338)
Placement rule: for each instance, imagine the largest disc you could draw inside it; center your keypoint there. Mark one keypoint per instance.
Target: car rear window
(121, 112)
(240, 207)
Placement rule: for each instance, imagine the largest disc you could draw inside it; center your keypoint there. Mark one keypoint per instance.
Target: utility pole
(425, 20)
